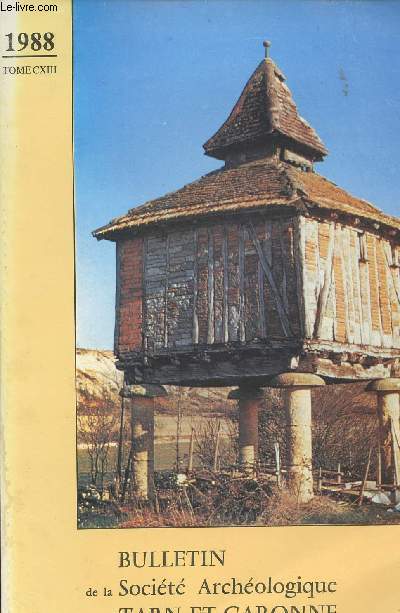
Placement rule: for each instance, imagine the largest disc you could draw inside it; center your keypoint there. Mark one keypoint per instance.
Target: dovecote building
(260, 273)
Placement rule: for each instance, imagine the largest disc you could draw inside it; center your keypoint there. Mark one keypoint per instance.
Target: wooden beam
(283, 316)
(378, 284)
(216, 450)
(145, 335)
(210, 289)
(226, 285)
(357, 284)
(393, 272)
(117, 295)
(345, 287)
(298, 229)
(284, 265)
(195, 291)
(262, 324)
(242, 331)
(166, 292)
(326, 288)
(364, 481)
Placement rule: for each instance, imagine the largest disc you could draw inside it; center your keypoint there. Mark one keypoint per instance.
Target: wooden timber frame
(222, 300)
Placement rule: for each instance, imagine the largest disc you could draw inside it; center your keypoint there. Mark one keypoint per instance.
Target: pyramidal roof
(265, 109)
(257, 185)
(265, 123)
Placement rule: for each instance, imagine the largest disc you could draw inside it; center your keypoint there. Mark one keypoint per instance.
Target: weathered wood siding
(129, 296)
(207, 285)
(352, 285)
(241, 281)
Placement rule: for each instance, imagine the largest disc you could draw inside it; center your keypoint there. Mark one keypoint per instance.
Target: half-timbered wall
(220, 283)
(208, 285)
(351, 285)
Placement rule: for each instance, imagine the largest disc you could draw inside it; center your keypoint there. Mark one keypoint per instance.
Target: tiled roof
(265, 107)
(257, 184)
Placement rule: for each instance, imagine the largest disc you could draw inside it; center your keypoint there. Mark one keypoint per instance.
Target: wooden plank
(242, 330)
(298, 231)
(269, 275)
(180, 288)
(202, 283)
(233, 232)
(394, 291)
(225, 372)
(145, 332)
(166, 294)
(395, 276)
(324, 293)
(216, 449)
(290, 274)
(346, 288)
(334, 305)
(218, 274)
(365, 290)
(261, 326)
(364, 481)
(226, 286)
(273, 324)
(384, 298)
(323, 246)
(155, 291)
(376, 334)
(262, 321)
(251, 289)
(347, 258)
(284, 290)
(117, 294)
(355, 276)
(210, 289)
(268, 241)
(195, 291)
(312, 281)
(340, 290)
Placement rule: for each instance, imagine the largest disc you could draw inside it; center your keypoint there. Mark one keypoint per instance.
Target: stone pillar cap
(384, 385)
(296, 379)
(245, 392)
(147, 390)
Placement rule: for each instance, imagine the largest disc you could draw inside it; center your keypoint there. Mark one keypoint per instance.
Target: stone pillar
(249, 399)
(297, 391)
(388, 396)
(140, 399)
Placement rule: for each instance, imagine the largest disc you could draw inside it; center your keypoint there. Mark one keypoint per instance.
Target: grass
(284, 510)
(254, 507)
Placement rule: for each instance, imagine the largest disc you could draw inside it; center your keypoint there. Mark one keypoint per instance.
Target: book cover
(200, 321)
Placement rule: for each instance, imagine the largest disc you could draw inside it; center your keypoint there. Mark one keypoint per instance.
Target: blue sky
(154, 80)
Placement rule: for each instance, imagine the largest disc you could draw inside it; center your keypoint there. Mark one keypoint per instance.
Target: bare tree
(206, 439)
(344, 426)
(96, 430)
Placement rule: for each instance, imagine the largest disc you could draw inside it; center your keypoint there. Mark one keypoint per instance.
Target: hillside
(98, 383)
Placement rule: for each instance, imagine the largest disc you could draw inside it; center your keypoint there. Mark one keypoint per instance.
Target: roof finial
(266, 45)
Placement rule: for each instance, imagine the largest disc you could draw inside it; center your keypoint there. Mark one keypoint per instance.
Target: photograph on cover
(237, 263)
